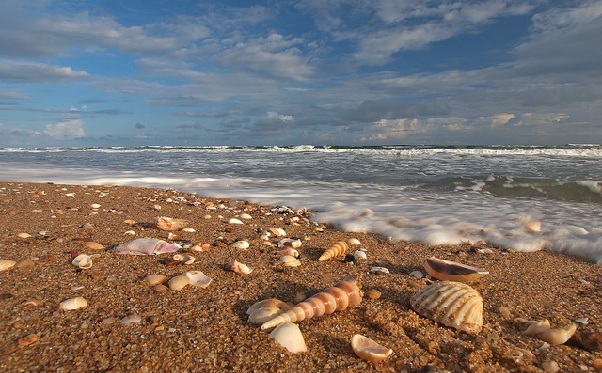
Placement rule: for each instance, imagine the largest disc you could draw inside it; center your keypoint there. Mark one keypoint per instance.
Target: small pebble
(373, 294)
(550, 366)
(598, 364)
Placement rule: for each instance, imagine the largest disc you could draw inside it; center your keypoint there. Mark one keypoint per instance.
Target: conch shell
(170, 224)
(335, 250)
(345, 294)
(447, 270)
(146, 246)
(450, 303)
(543, 331)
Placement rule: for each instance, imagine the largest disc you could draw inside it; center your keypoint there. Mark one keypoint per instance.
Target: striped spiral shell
(345, 294)
(335, 250)
(450, 303)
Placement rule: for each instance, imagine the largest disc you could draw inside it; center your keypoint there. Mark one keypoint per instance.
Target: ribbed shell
(450, 303)
(344, 294)
(335, 250)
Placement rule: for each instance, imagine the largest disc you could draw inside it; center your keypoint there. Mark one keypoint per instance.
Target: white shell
(270, 302)
(353, 241)
(380, 270)
(360, 254)
(73, 303)
(294, 243)
(238, 267)
(543, 331)
(290, 261)
(368, 349)
(235, 221)
(450, 303)
(278, 232)
(179, 282)
(246, 216)
(289, 336)
(188, 229)
(84, 261)
(263, 314)
(6, 264)
(95, 206)
(199, 279)
(240, 245)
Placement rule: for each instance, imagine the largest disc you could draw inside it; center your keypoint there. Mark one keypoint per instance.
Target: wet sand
(207, 330)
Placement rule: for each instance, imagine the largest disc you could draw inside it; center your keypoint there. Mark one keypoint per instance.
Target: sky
(310, 72)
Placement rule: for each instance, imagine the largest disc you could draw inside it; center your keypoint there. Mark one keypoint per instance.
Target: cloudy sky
(346, 72)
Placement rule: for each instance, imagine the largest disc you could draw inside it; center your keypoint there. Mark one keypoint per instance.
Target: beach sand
(207, 330)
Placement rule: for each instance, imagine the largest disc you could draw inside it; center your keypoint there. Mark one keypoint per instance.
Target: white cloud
(19, 72)
(274, 115)
(66, 130)
(501, 119)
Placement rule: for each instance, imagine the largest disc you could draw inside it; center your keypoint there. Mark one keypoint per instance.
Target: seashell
(129, 221)
(416, 274)
(146, 246)
(263, 314)
(201, 247)
(270, 302)
(379, 270)
(543, 331)
(198, 279)
(447, 270)
(155, 279)
(178, 282)
(345, 294)
(369, 350)
(289, 336)
(95, 206)
(189, 230)
(278, 232)
(360, 254)
(245, 216)
(131, 319)
(94, 246)
(172, 236)
(290, 261)
(240, 245)
(240, 268)
(295, 244)
(353, 241)
(6, 264)
(32, 302)
(131, 233)
(335, 250)
(169, 224)
(23, 235)
(450, 303)
(287, 251)
(73, 303)
(84, 261)
(184, 258)
(235, 221)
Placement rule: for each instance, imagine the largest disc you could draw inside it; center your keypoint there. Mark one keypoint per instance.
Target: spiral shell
(452, 271)
(345, 294)
(450, 303)
(335, 250)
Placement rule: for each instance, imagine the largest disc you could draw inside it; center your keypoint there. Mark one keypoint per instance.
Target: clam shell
(290, 261)
(95, 246)
(369, 350)
(170, 224)
(179, 282)
(452, 271)
(153, 280)
(6, 264)
(450, 303)
(240, 245)
(73, 303)
(289, 336)
(198, 279)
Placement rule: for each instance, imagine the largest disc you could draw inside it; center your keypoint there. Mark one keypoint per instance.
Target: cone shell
(447, 270)
(73, 303)
(178, 282)
(450, 303)
(6, 264)
(345, 294)
(369, 350)
(289, 336)
(335, 250)
(169, 224)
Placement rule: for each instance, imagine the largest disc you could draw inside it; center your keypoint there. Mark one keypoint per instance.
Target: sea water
(524, 198)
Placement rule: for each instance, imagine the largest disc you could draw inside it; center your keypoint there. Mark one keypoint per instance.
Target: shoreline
(207, 329)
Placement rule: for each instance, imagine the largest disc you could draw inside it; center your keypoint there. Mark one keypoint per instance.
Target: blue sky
(345, 72)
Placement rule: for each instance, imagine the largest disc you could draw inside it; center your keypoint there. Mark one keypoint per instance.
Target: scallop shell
(289, 336)
(73, 303)
(452, 271)
(238, 267)
(6, 264)
(335, 250)
(170, 224)
(153, 280)
(543, 331)
(369, 350)
(345, 294)
(179, 282)
(450, 303)
(199, 279)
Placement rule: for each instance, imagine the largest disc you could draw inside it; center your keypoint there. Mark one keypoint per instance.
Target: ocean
(526, 198)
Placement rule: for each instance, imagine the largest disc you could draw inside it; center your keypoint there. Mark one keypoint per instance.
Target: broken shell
(345, 294)
(199, 279)
(146, 246)
(290, 261)
(32, 302)
(131, 319)
(270, 302)
(543, 331)
(289, 336)
(201, 247)
(129, 221)
(84, 261)
(453, 304)
(379, 270)
(240, 268)
(169, 224)
(94, 246)
(23, 235)
(295, 244)
(235, 221)
(240, 245)
(287, 251)
(73, 303)
(178, 283)
(263, 314)
(335, 250)
(95, 206)
(189, 230)
(369, 350)
(172, 236)
(245, 216)
(353, 241)
(155, 279)
(131, 233)
(278, 232)
(6, 264)
(184, 258)
(452, 271)
(360, 254)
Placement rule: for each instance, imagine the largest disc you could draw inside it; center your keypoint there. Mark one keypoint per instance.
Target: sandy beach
(43, 226)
